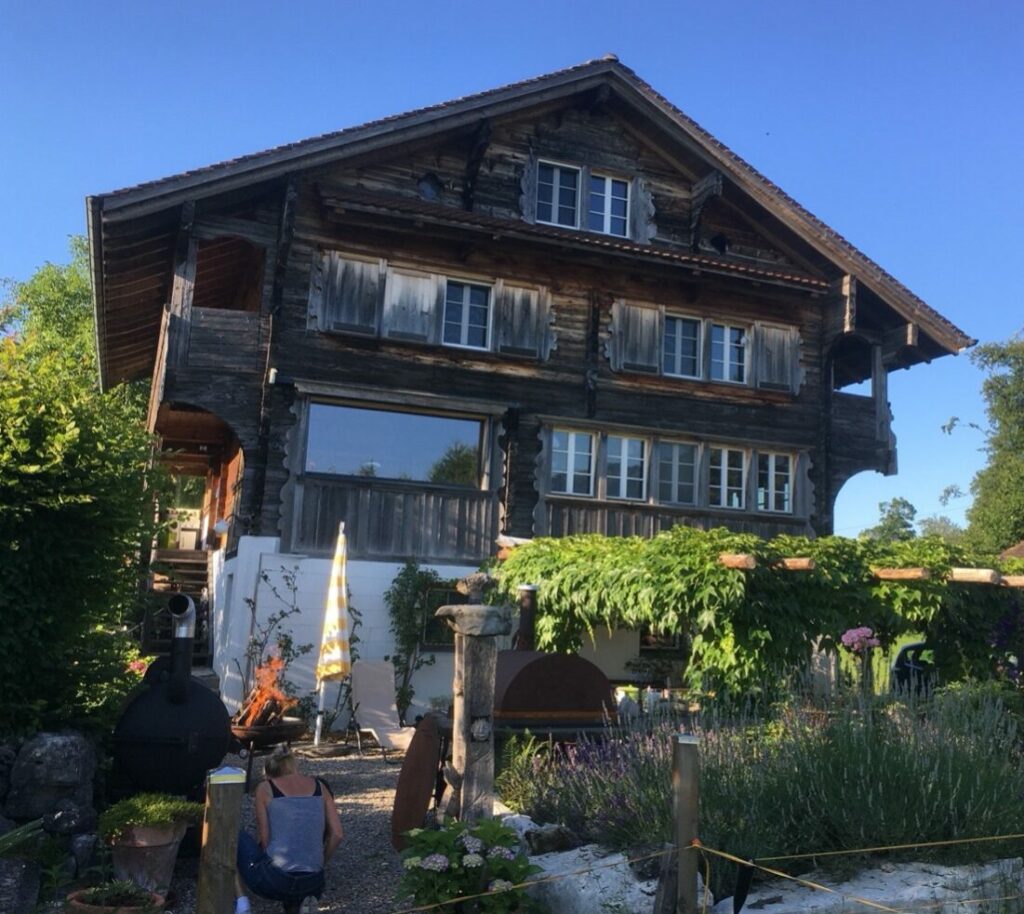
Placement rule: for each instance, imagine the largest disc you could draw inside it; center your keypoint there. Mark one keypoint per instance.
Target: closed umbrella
(335, 662)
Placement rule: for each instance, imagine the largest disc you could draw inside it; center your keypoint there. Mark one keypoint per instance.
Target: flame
(266, 690)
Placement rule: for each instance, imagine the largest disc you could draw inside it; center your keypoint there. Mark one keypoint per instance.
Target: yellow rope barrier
(893, 847)
(805, 882)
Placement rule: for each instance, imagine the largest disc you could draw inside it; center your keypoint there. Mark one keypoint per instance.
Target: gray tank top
(296, 831)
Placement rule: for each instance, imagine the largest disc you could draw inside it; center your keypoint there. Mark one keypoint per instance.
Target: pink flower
(138, 667)
(860, 639)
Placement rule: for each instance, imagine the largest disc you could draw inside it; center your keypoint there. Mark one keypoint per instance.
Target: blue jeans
(267, 881)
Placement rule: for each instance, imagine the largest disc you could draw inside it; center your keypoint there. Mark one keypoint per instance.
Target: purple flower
(859, 639)
(438, 863)
(501, 853)
(471, 844)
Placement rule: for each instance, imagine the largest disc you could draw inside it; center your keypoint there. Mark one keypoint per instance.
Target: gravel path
(364, 872)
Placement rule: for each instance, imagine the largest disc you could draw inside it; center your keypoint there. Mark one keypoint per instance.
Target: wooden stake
(217, 860)
(686, 790)
(975, 575)
(901, 574)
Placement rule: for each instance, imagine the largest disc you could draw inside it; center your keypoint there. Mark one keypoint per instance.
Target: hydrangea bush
(459, 860)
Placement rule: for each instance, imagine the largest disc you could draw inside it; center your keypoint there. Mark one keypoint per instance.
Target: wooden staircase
(174, 571)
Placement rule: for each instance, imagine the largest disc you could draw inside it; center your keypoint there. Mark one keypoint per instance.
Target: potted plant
(144, 832)
(118, 896)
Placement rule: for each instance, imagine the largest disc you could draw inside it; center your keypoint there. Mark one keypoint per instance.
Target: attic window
(429, 187)
(578, 197)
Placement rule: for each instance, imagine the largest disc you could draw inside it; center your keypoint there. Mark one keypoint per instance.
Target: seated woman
(298, 829)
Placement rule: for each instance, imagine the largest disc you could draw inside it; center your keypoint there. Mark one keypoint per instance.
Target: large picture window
(388, 444)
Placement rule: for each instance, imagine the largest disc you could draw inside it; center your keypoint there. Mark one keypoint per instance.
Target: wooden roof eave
(750, 273)
(94, 228)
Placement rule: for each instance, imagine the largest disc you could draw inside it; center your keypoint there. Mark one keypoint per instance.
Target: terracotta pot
(146, 854)
(73, 905)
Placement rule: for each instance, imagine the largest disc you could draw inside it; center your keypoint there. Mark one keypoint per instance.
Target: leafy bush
(76, 489)
(157, 809)
(745, 628)
(118, 893)
(457, 861)
(805, 781)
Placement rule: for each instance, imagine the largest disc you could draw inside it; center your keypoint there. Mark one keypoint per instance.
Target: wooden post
(476, 654)
(686, 790)
(221, 821)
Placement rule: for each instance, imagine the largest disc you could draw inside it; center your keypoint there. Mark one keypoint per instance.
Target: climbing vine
(746, 626)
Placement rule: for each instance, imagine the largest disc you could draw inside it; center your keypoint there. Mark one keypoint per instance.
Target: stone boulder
(49, 768)
(68, 818)
(592, 881)
(901, 887)
(8, 753)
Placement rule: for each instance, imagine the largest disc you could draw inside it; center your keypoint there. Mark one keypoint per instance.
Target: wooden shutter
(413, 305)
(636, 338)
(352, 291)
(521, 320)
(777, 357)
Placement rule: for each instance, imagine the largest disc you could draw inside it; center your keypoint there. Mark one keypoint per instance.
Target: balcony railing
(395, 519)
(226, 340)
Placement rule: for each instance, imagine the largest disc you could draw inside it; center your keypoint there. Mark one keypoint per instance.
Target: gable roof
(152, 197)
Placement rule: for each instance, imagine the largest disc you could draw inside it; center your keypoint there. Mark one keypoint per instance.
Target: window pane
(353, 441)
(717, 352)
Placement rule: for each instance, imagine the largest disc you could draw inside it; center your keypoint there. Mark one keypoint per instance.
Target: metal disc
(416, 781)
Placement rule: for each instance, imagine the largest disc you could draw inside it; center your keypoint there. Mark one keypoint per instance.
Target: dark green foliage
(458, 465)
(895, 522)
(996, 517)
(75, 504)
(156, 809)
(408, 607)
(748, 628)
(117, 894)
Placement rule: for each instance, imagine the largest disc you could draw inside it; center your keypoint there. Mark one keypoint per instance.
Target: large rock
(19, 885)
(68, 818)
(50, 767)
(592, 882)
(903, 887)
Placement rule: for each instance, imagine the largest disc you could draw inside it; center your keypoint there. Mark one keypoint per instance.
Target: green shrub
(457, 861)
(158, 809)
(118, 893)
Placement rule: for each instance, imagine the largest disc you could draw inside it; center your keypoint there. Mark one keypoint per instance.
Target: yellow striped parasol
(335, 660)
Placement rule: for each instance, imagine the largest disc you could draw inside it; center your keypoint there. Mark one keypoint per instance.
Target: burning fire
(267, 701)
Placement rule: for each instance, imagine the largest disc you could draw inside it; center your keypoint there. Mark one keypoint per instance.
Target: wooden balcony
(393, 519)
(856, 422)
(226, 341)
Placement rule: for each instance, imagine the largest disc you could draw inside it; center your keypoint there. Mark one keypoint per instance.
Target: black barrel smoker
(174, 729)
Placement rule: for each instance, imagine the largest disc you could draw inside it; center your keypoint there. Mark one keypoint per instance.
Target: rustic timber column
(476, 652)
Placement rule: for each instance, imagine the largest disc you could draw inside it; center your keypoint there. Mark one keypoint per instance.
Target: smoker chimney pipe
(183, 614)
(526, 636)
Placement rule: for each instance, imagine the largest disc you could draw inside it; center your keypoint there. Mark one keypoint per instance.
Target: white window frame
(559, 167)
(677, 355)
(771, 491)
(674, 480)
(606, 215)
(468, 284)
(723, 468)
(570, 472)
(727, 361)
(623, 479)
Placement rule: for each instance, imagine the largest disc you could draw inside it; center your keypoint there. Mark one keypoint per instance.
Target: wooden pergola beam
(975, 575)
(1013, 580)
(741, 561)
(901, 574)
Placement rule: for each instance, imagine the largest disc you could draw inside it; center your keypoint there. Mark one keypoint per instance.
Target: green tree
(941, 526)
(458, 465)
(75, 503)
(895, 522)
(996, 517)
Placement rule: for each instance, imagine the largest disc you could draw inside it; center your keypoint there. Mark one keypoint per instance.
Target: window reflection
(353, 441)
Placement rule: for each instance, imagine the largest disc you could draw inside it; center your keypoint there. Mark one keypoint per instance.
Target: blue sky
(900, 124)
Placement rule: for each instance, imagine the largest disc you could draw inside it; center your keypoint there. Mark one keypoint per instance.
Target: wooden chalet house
(555, 307)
